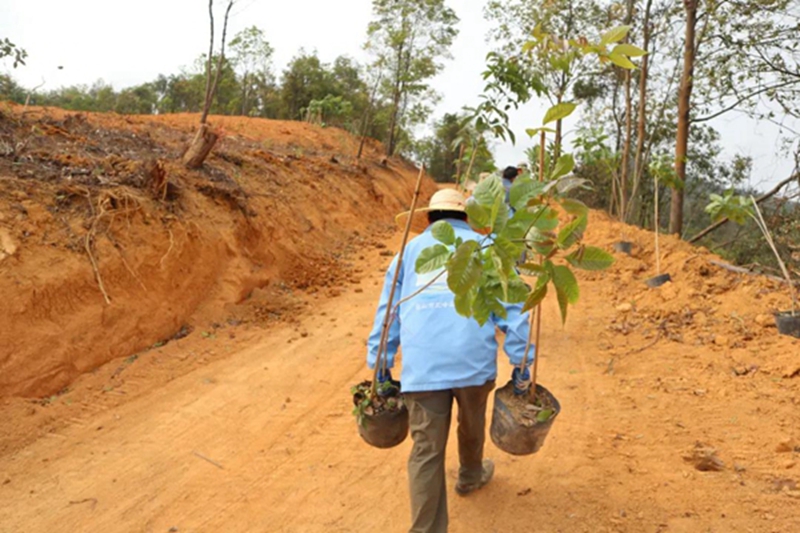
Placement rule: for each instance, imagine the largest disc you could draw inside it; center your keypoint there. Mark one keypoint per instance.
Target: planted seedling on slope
(739, 209)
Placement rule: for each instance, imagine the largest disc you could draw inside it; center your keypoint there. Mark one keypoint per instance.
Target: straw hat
(444, 200)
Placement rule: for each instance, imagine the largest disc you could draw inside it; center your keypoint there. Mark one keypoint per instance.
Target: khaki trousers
(429, 420)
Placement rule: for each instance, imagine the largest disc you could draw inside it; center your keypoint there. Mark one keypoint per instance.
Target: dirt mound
(108, 246)
(703, 305)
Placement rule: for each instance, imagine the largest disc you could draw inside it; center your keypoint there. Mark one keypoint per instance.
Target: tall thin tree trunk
(396, 94)
(367, 116)
(626, 147)
(641, 129)
(626, 150)
(684, 108)
(210, 57)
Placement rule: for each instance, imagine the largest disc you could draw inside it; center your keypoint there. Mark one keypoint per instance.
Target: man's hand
(384, 382)
(522, 380)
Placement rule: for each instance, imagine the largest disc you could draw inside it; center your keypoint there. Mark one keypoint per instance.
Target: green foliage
(590, 258)
(730, 206)
(9, 49)
(443, 232)
(251, 57)
(440, 151)
(433, 258)
(559, 112)
(408, 39)
(482, 274)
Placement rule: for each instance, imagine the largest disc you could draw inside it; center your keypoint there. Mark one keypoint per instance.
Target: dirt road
(263, 440)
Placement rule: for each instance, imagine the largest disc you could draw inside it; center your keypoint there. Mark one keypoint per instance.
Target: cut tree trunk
(202, 144)
(684, 108)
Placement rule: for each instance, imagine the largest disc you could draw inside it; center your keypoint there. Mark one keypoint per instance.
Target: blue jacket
(507, 183)
(442, 349)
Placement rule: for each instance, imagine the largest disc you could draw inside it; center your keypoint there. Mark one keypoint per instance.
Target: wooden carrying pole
(382, 348)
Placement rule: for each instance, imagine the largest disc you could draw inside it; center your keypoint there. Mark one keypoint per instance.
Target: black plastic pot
(788, 324)
(624, 247)
(658, 280)
(385, 429)
(514, 436)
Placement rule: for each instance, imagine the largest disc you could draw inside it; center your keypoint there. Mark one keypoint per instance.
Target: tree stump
(204, 140)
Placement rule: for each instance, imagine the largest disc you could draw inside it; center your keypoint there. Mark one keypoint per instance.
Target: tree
(252, 59)
(684, 107)
(559, 72)
(440, 151)
(408, 39)
(736, 53)
(305, 79)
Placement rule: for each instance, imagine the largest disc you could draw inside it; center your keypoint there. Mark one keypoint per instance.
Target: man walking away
(446, 357)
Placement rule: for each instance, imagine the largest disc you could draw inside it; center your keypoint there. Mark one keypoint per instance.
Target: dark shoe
(486, 477)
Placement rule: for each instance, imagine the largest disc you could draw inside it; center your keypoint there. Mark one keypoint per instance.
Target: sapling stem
(380, 360)
(537, 315)
(465, 177)
(656, 227)
(762, 225)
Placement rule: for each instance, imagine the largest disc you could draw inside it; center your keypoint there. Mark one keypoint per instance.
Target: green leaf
(464, 268)
(517, 291)
(567, 290)
(533, 132)
(621, 61)
(479, 217)
(463, 303)
(590, 258)
(574, 207)
(568, 184)
(485, 304)
(499, 215)
(488, 191)
(432, 258)
(542, 242)
(558, 112)
(547, 219)
(497, 267)
(572, 232)
(523, 190)
(537, 295)
(564, 166)
(443, 232)
(508, 251)
(628, 50)
(615, 35)
(544, 415)
(531, 269)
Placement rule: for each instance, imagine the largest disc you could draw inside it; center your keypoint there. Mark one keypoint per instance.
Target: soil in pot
(788, 323)
(658, 280)
(382, 420)
(520, 423)
(624, 247)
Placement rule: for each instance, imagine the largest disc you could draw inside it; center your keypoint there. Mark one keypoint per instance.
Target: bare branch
(208, 61)
(213, 90)
(743, 99)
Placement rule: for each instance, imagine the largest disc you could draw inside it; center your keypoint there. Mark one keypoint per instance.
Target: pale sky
(127, 43)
